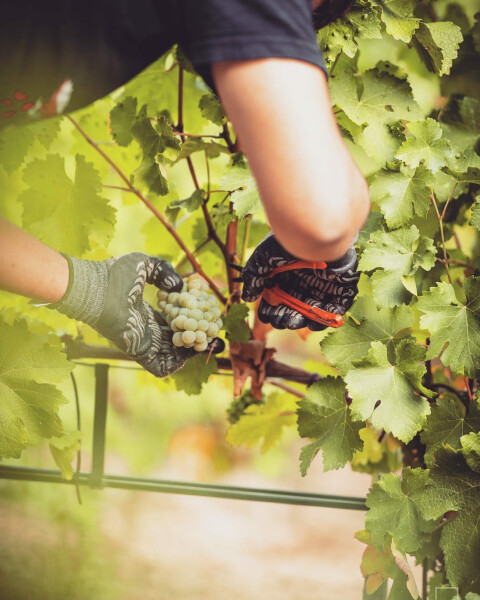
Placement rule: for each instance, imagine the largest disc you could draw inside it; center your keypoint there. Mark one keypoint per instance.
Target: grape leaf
(324, 415)
(437, 44)
(460, 121)
(377, 456)
(383, 98)
(454, 325)
(397, 508)
(456, 486)
(471, 450)
(447, 423)
(122, 118)
(426, 145)
(263, 423)
(64, 450)
(149, 173)
(398, 18)
(212, 110)
(465, 167)
(191, 145)
(403, 194)
(68, 215)
(395, 257)
(46, 130)
(29, 367)
(191, 203)
(235, 326)
(194, 373)
(381, 141)
(363, 325)
(14, 145)
(245, 197)
(396, 384)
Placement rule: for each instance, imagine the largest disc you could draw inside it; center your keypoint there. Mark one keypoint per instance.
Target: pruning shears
(275, 295)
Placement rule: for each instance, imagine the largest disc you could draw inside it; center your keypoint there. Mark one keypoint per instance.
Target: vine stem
(286, 388)
(440, 222)
(456, 262)
(212, 234)
(195, 264)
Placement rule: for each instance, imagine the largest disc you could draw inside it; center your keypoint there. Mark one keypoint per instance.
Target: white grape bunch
(193, 314)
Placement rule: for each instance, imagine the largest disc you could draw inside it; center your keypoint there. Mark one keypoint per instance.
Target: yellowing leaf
(263, 423)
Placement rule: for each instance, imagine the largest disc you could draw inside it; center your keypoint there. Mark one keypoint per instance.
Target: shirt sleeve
(223, 30)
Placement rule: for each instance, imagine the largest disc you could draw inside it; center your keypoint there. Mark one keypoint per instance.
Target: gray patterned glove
(108, 296)
(332, 289)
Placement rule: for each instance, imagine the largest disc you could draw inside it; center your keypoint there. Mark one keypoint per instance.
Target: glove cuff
(84, 299)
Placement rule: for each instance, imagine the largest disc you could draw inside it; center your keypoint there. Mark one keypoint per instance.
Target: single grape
(174, 312)
(177, 339)
(219, 323)
(191, 303)
(200, 336)
(188, 337)
(184, 311)
(201, 346)
(208, 316)
(190, 324)
(196, 314)
(162, 295)
(161, 305)
(173, 297)
(203, 325)
(212, 330)
(180, 321)
(216, 312)
(168, 308)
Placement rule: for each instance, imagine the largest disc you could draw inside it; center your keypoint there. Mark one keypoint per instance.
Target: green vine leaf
(365, 324)
(235, 326)
(383, 98)
(456, 487)
(212, 110)
(69, 215)
(426, 145)
(447, 423)
(324, 416)
(389, 392)
(196, 371)
(122, 118)
(454, 326)
(263, 423)
(398, 508)
(395, 257)
(437, 44)
(245, 196)
(402, 195)
(29, 368)
(398, 18)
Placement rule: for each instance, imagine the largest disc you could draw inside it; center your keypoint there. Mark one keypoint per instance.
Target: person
(262, 59)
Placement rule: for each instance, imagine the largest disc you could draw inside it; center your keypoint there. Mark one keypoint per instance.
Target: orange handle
(298, 264)
(276, 296)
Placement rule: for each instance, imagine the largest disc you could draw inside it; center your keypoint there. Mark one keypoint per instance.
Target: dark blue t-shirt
(100, 44)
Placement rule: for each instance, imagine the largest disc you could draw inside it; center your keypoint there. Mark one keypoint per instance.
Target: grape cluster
(240, 404)
(193, 314)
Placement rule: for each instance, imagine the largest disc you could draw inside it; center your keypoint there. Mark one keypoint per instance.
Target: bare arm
(315, 197)
(30, 268)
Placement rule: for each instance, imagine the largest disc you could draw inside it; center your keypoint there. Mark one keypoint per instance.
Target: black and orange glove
(296, 293)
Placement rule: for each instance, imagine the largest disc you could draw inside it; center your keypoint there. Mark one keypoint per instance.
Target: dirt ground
(195, 548)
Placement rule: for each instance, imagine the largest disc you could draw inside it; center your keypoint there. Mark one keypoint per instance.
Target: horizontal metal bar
(189, 488)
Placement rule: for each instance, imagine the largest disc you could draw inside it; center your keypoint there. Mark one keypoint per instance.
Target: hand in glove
(331, 289)
(108, 296)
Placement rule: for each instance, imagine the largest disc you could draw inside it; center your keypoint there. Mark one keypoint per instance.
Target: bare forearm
(315, 197)
(29, 267)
